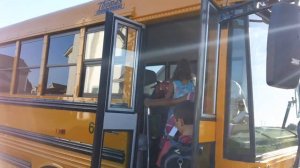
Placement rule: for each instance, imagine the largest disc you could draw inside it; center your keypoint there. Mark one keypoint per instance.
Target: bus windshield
(270, 104)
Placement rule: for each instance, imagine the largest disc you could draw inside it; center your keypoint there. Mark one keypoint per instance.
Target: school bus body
(61, 135)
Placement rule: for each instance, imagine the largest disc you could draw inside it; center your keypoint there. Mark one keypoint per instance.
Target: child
(184, 118)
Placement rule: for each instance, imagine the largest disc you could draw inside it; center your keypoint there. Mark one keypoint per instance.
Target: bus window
(123, 67)
(7, 54)
(237, 143)
(92, 61)
(160, 71)
(29, 66)
(62, 57)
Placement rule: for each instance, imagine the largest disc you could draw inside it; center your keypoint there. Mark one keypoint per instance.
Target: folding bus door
(116, 116)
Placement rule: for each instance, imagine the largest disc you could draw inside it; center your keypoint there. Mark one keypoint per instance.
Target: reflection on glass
(63, 51)
(238, 142)
(5, 79)
(61, 80)
(211, 64)
(94, 44)
(31, 53)
(123, 67)
(28, 66)
(7, 53)
(270, 103)
(92, 80)
(28, 81)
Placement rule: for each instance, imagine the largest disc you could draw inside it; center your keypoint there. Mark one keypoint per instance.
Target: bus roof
(93, 12)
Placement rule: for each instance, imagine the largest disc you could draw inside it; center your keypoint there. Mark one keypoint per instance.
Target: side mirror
(283, 47)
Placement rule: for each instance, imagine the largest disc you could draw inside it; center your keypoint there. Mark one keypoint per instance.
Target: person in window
(179, 89)
(239, 117)
(238, 108)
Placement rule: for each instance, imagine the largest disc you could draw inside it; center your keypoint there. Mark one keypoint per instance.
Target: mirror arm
(288, 108)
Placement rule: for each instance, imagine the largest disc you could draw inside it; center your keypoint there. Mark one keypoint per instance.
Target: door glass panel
(123, 67)
(211, 61)
(237, 141)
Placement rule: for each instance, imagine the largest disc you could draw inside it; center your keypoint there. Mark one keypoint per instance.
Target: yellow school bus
(73, 84)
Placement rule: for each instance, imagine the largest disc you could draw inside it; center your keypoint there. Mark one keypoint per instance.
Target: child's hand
(190, 96)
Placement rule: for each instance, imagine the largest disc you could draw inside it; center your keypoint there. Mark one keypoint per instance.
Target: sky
(14, 11)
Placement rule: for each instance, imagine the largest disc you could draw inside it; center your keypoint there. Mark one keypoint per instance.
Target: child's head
(182, 71)
(184, 114)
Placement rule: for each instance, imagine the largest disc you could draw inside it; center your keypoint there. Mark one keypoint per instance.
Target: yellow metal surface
(49, 121)
(6, 164)
(74, 125)
(207, 131)
(70, 125)
(41, 155)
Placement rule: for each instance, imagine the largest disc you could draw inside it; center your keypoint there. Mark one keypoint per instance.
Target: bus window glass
(29, 66)
(123, 67)
(91, 80)
(62, 58)
(94, 43)
(92, 61)
(270, 104)
(211, 63)
(237, 141)
(160, 71)
(7, 54)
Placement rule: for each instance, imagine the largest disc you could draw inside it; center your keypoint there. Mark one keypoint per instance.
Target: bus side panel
(70, 126)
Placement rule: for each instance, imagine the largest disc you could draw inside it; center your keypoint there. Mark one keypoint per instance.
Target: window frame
(47, 66)
(134, 73)
(92, 62)
(29, 67)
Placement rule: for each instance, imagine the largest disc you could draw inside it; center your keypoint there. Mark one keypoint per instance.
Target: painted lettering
(109, 5)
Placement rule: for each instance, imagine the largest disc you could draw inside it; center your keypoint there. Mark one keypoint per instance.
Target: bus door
(116, 116)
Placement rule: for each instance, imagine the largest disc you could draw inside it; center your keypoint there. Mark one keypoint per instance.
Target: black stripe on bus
(107, 153)
(52, 104)
(15, 161)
